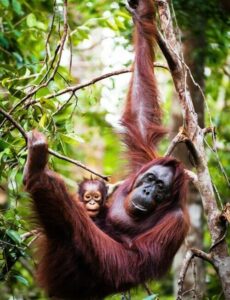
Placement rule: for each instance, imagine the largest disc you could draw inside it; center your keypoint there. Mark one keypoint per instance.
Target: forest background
(82, 124)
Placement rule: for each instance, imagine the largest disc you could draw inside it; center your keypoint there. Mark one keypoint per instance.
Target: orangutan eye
(87, 197)
(97, 197)
(151, 177)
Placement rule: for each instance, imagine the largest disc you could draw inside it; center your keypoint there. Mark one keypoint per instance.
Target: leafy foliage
(76, 125)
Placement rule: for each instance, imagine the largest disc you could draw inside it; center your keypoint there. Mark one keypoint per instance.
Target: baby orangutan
(93, 195)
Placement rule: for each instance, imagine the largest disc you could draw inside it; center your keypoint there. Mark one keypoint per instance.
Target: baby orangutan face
(93, 194)
(92, 200)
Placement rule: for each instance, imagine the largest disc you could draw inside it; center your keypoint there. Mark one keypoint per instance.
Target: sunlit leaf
(48, 103)
(31, 20)
(43, 121)
(70, 140)
(112, 25)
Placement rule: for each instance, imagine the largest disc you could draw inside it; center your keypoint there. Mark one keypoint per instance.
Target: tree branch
(179, 70)
(58, 51)
(75, 88)
(191, 253)
(54, 153)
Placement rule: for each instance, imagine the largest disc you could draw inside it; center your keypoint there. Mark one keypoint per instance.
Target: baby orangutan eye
(87, 197)
(97, 197)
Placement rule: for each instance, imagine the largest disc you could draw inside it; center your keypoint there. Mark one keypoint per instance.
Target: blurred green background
(84, 126)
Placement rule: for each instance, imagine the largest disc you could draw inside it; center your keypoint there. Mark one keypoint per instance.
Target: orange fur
(80, 260)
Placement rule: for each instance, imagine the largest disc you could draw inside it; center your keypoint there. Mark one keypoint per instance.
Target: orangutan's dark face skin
(151, 189)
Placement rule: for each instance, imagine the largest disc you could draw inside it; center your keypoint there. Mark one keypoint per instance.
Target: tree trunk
(168, 43)
(195, 278)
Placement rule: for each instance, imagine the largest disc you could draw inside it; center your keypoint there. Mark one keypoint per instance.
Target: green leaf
(43, 121)
(4, 82)
(8, 67)
(3, 41)
(14, 236)
(21, 280)
(41, 25)
(3, 144)
(119, 23)
(70, 140)
(124, 15)
(112, 25)
(47, 103)
(18, 57)
(83, 32)
(5, 3)
(17, 7)
(16, 93)
(31, 20)
(83, 28)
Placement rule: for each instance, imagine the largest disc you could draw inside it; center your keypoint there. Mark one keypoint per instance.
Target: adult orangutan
(147, 220)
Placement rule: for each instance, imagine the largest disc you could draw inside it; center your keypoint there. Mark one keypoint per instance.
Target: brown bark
(195, 278)
(171, 50)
